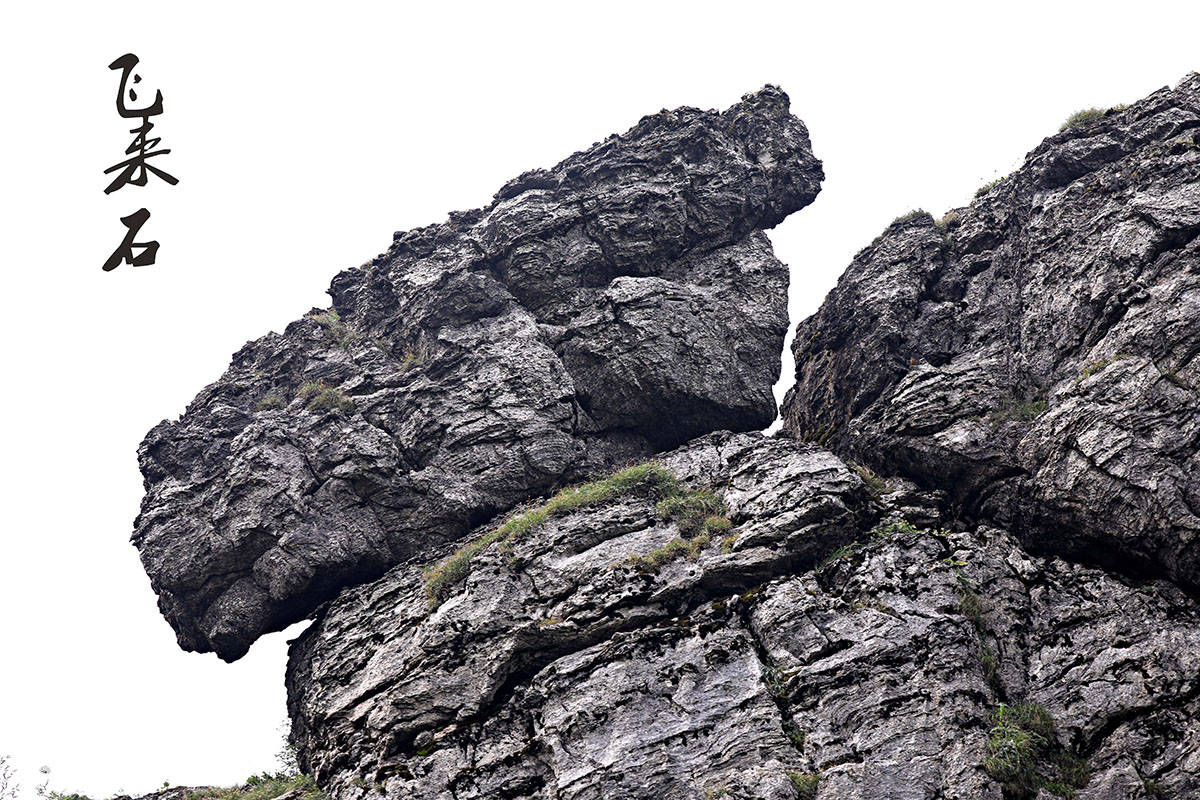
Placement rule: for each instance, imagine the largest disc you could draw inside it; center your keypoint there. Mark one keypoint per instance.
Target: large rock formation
(1037, 354)
(618, 304)
(835, 637)
(1010, 613)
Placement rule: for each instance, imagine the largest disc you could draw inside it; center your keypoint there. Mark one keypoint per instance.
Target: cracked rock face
(616, 305)
(1037, 354)
(1010, 613)
(822, 640)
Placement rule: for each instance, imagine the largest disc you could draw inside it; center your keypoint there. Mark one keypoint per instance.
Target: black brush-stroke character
(124, 252)
(136, 170)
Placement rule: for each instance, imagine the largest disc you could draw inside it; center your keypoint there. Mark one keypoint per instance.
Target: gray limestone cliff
(519, 484)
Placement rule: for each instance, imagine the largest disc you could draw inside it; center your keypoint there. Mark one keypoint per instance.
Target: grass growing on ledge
(319, 396)
(331, 322)
(876, 486)
(270, 402)
(1011, 409)
(987, 187)
(690, 510)
(264, 787)
(1023, 754)
(915, 214)
(700, 517)
(1082, 117)
(805, 784)
(648, 478)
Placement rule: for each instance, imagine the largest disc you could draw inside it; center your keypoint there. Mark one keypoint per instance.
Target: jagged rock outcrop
(616, 305)
(563, 668)
(1037, 353)
(832, 638)
(1010, 613)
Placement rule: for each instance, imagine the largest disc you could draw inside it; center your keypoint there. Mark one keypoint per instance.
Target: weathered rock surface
(821, 641)
(619, 304)
(1011, 615)
(1037, 354)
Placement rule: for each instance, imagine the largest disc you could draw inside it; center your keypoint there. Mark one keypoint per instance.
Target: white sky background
(302, 139)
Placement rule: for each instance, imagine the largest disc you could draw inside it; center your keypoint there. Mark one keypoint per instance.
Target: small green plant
(330, 321)
(1023, 753)
(673, 550)
(1153, 789)
(846, 552)
(776, 680)
(795, 735)
(987, 187)
(1012, 409)
(698, 514)
(1098, 366)
(1019, 734)
(876, 485)
(648, 478)
(1084, 116)
(319, 396)
(805, 784)
(896, 529)
(990, 664)
(270, 402)
(690, 510)
(266, 786)
(915, 214)
(970, 605)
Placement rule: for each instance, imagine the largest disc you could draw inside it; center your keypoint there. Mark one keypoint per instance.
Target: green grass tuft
(690, 509)
(270, 402)
(648, 478)
(319, 396)
(331, 322)
(699, 516)
(717, 525)
(266, 786)
(805, 784)
(1084, 116)
(1099, 366)
(876, 486)
(795, 735)
(1011, 409)
(915, 214)
(1023, 754)
(971, 606)
(987, 187)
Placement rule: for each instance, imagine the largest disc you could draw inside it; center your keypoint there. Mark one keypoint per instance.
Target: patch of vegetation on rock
(266, 786)
(805, 784)
(270, 402)
(987, 187)
(1024, 755)
(876, 485)
(1084, 116)
(319, 396)
(331, 322)
(1013, 409)
(648, 478)
(699, 516)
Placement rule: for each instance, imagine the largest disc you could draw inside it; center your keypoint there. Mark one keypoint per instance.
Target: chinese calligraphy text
(137, 169)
